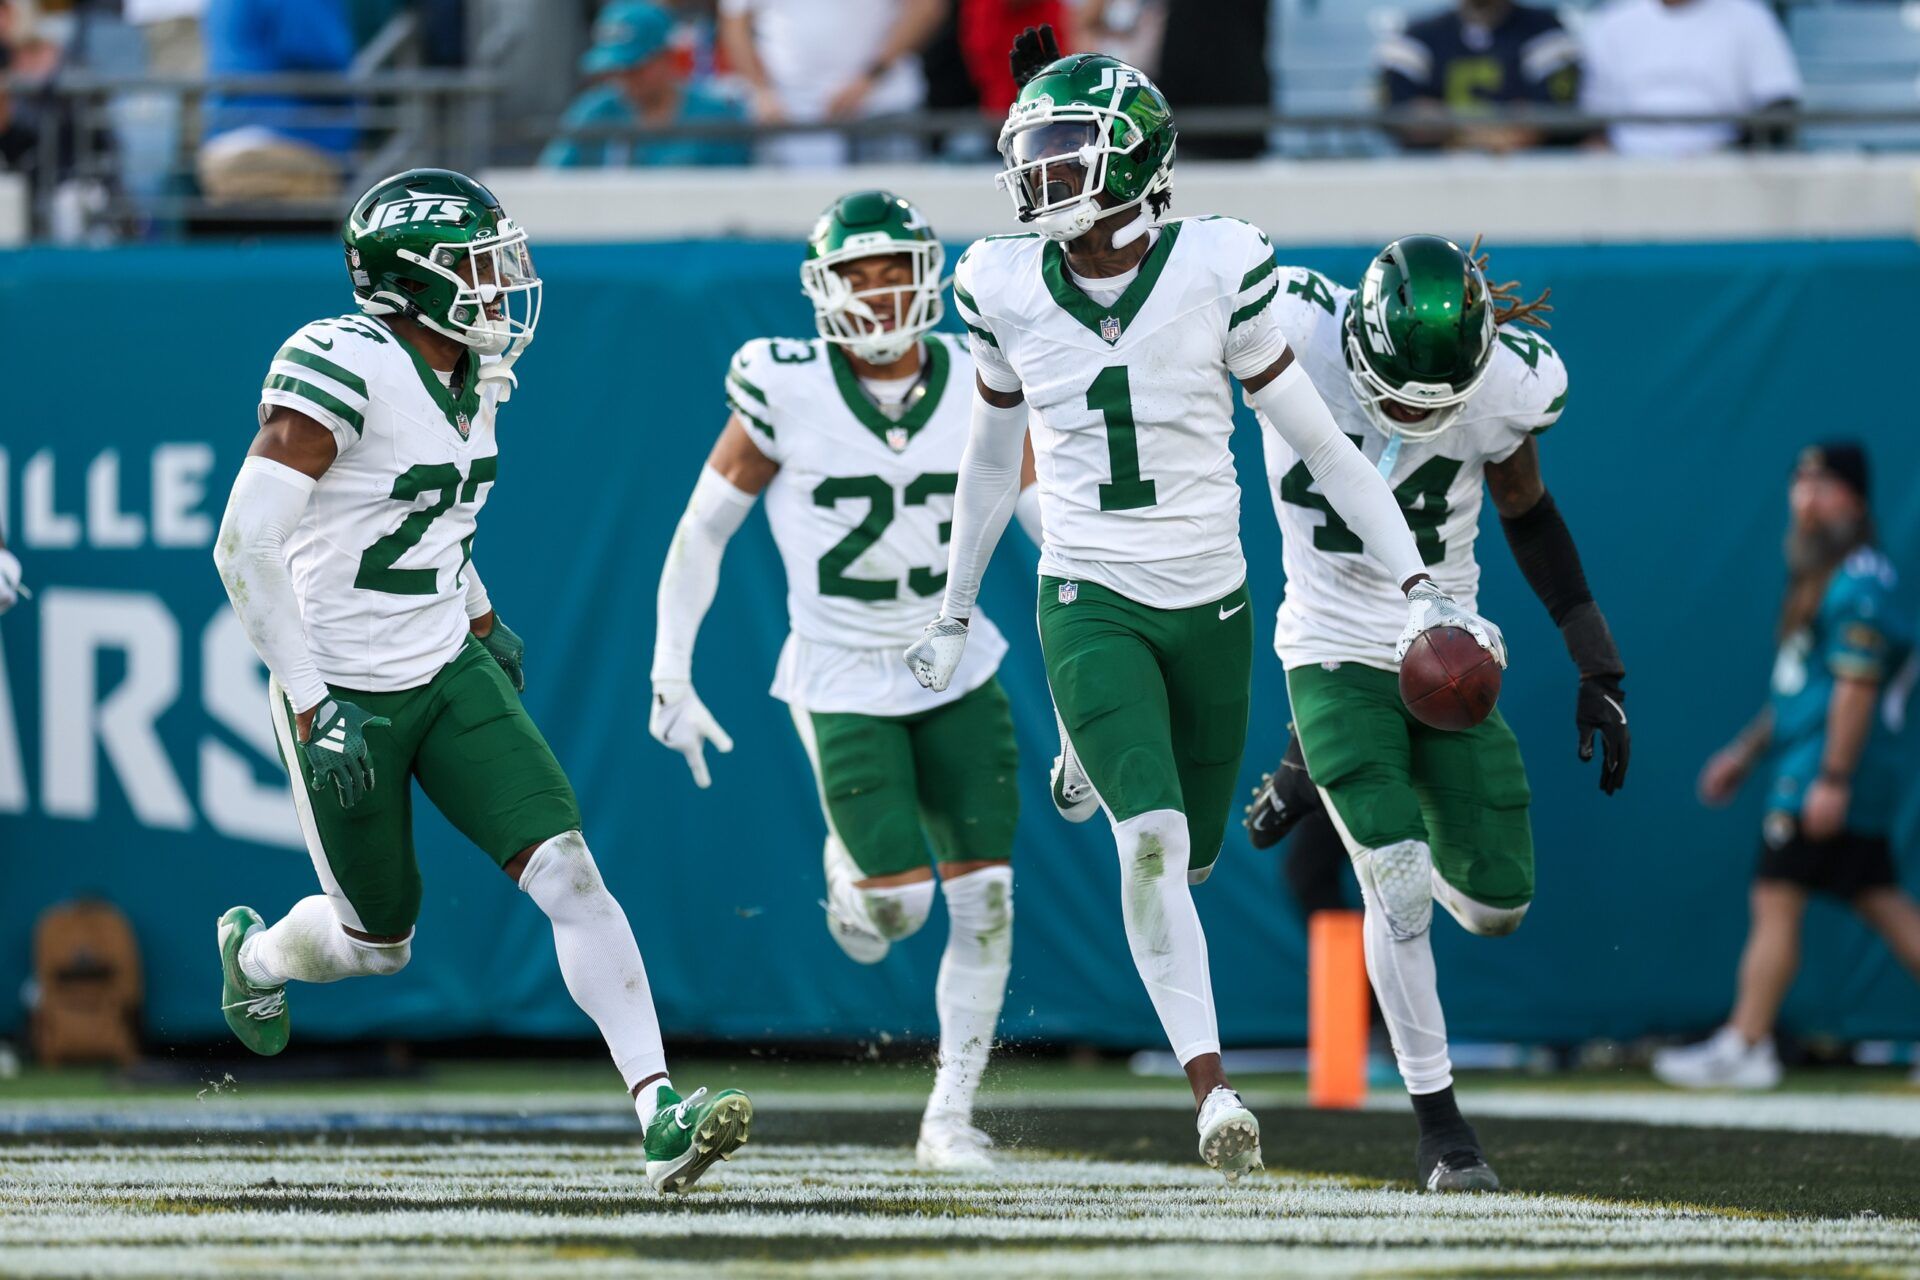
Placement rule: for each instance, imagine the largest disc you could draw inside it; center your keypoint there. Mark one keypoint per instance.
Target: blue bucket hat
(626, 33)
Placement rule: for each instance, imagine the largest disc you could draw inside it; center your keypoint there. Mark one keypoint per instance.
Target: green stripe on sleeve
(983, 335)
(734, 379)
(1252, 309)
(326, 400)
(1258, 274)
(320, 364)
(739, 406)
(1559, 403)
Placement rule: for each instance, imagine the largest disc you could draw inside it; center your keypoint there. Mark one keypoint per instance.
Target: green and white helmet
(871, 224)
(435, 246)
(1085, 126)
(1420, 334)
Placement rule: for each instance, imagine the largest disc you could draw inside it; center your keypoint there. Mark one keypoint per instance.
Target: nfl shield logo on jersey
(1069, 592)
(460, 421)
(1110, 329)
(896, 438)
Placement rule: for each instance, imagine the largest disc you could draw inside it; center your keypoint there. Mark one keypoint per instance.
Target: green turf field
(532, 1170)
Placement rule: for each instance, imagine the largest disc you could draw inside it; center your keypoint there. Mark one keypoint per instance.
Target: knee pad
(898, 910)
(382, 959)
(562, 876)
(1399, 877)
(1474, 916)
(980, 913)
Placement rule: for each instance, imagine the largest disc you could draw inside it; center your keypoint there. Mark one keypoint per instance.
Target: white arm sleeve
(1026, 509)
(691, 575)
(1291, 407)
(984, 499)
(264, 507)
(478, 605)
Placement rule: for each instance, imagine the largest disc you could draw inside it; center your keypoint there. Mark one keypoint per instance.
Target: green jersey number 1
(1111, 397)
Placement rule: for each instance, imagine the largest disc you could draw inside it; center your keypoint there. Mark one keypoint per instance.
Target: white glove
(934, 656)
(1429, 607)
(681, 722)
(9, 580)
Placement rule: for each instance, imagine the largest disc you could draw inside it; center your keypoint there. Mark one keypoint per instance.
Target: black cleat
(1462, 1169)
(1282, 799)
(1449, 1157)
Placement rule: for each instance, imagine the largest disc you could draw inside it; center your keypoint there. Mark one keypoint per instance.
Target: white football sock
(1396, 884)
(972, 983)
(308, 944)
(598, 955)
(646, 1103)
(1163, 929)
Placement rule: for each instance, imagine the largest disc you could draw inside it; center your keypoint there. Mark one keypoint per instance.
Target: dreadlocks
(1507, 307)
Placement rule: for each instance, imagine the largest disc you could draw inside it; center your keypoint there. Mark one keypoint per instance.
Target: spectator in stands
(1686, 57)
(639, 78)
(1485, 55)
(24, 59)
(987, 29)
(275, 146)
(807, 61)
(1214, 54)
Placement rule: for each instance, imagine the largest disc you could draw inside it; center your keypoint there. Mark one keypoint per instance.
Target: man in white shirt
(818, 60)
(1684, 57)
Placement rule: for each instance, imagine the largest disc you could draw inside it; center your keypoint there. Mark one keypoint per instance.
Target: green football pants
(1389, 778)
(1155, 700)
(892, 785)
(475, 752)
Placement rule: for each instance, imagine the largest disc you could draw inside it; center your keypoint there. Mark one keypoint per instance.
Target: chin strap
(1133, 230)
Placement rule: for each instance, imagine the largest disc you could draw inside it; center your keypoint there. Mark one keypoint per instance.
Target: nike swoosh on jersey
(324, 346)
(1226, 613)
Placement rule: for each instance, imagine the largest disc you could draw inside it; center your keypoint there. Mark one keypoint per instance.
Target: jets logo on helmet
(418, 209)
(878, 324)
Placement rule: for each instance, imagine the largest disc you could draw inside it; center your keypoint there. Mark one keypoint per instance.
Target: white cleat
(846, 908)
(1229, 1134)
(948, 1144)
(1072, 789)
(1722, 1061)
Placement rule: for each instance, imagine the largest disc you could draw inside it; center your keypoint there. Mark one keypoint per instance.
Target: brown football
(1448, 681)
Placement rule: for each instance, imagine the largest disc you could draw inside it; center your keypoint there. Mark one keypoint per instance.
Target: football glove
(1602, 711)
(1033, 49)
(681, 722)
(510, 651)
(9, 580)
(936, 654)
(1429, 607)
(336, 749)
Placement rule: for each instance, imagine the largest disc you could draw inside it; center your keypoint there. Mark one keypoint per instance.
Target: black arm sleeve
(1543, 548)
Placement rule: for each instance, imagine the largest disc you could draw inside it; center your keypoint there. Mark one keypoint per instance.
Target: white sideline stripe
(278, 708)
(1890, 1114)
(301, 1210)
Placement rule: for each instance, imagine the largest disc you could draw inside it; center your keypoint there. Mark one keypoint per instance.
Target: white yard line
(480, 1208)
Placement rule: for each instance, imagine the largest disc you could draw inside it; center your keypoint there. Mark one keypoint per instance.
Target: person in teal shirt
(636, 79)
(1830, 737)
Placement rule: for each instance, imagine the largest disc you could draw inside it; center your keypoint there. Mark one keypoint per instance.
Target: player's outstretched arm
(1543, 547)
(733, 477)
(983, 502)
(287, 459)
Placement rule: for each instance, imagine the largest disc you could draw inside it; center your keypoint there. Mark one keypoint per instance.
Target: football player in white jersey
(346, 550)
(855, 438)
(1117, 332)
(1439, 379)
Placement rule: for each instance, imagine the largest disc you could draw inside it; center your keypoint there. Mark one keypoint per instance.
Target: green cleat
(687, 1135)
(258, 1015)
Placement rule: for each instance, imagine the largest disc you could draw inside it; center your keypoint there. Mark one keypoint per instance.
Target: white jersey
(861, 509)
(1131, 410)
(376, 560)
(1342, 605)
